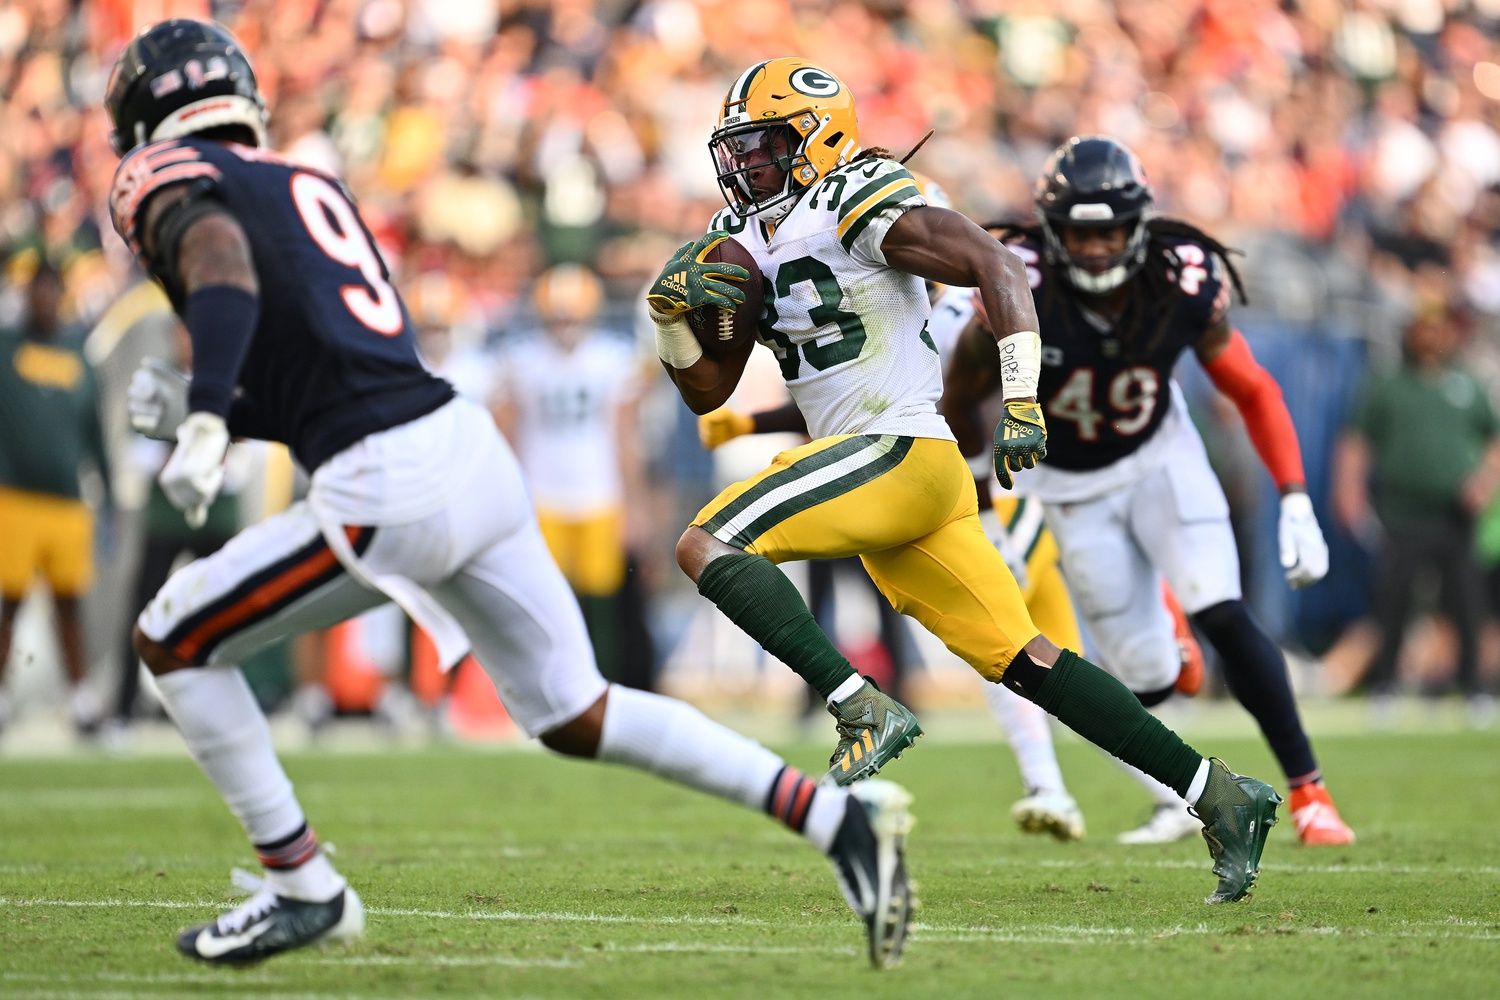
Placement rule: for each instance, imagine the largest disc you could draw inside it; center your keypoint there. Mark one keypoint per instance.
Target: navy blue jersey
(1104, 396)
(333, 357)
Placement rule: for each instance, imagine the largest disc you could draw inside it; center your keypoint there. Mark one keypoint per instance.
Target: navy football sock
(1256, 674)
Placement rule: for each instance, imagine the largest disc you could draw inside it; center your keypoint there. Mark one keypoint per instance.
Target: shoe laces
(261, 902)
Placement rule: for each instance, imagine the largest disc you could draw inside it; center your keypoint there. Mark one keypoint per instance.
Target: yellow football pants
(907, 507)
(589, 550)
(45, 534)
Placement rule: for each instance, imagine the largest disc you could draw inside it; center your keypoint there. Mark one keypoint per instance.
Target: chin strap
(1258, 398)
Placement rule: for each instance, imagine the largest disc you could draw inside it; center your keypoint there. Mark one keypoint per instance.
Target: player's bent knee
(693, 549)
(1149, 699)
(157, 657)
(1024, 675)
(579, 736)
(1223, 617)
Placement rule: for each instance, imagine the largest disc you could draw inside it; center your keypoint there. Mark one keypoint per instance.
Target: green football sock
(758, 597)
(1103, 711)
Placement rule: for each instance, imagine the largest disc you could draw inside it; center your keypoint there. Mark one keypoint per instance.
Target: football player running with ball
(298, 336)
(843, 240)
(1126, 484)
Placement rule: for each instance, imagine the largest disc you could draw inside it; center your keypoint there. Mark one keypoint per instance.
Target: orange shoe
(1190, 675)
(1317, 818)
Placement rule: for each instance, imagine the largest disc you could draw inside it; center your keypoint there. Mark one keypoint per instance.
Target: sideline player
(298, 336)
(842, 239)
(566, 398)
(1127, 485)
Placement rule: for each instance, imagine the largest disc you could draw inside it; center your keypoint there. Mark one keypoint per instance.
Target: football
(724, 332)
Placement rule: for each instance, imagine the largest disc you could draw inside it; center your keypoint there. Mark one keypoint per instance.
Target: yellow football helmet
(785, 125)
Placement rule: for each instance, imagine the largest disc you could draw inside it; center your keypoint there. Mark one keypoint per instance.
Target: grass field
(514, 874)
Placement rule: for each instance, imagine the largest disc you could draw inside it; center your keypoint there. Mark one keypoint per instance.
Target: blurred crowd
(1351, 147)
(488, 138)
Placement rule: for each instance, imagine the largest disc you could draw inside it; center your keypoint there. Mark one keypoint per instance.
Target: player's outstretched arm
(943, 245)
(1226, 358)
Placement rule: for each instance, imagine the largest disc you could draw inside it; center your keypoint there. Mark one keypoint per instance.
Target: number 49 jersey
(333, 357)
(849, 331)
(1105, 396)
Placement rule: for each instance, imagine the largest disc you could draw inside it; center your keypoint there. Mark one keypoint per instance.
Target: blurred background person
(1344, 147)
(1416, 466)
(49, 411)
(568, 402)
(165, 536)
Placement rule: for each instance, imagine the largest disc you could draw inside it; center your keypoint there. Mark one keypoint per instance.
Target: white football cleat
(1169, 823)
(1051, 812)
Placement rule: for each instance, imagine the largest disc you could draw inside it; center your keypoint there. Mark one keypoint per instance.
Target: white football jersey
(566, 404)
(848, 330)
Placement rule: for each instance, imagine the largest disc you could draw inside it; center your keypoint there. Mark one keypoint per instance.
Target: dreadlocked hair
(873, 153)
(1155, 287)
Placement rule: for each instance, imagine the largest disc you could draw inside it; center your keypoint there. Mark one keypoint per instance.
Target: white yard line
(1458, 929)
(94, 798)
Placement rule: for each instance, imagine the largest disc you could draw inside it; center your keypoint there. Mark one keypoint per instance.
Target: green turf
(513, 874)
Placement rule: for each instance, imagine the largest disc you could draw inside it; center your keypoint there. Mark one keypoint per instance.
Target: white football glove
(193, 475)
(1304, 553)
(157, 399)
(1001, 541)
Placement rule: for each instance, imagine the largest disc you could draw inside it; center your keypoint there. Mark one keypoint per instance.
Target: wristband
(675, 343)
(1020, 364)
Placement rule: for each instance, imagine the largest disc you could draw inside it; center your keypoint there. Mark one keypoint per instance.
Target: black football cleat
(869, 857)
(266, 924)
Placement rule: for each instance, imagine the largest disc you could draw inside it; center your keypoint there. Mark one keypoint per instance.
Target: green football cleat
(1236, 831)
(874, 729)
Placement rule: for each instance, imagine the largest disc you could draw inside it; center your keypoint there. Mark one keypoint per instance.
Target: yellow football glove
(1020, 440)
(723, 425)
(688, 281)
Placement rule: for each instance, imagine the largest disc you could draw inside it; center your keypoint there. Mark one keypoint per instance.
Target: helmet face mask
(1094, 183)
(182, 77)
(785, 125)
(756, 165)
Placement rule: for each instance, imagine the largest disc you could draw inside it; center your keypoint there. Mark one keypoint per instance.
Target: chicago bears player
(1127, 486)
(843, 239)
(298, 336)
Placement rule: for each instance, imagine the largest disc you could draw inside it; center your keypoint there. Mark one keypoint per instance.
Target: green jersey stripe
(904, 194)
(846, 205)
(797, 470)
(888, 453)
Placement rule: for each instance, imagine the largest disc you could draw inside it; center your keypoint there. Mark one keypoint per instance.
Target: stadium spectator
(49, 412)
(1418, 463)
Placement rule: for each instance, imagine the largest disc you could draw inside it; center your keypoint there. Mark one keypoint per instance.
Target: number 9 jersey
(848, 330)
(1104, 395)
(333, 357)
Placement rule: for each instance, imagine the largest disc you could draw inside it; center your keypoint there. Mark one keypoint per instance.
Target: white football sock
(315, 880)
(1161, 794)
(227, 735)
(676, 741)
(1030, 734)
(1198, 784)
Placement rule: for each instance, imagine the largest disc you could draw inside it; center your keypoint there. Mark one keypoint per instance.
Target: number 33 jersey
(848, 330)
(1105, 395)
(333, 358)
